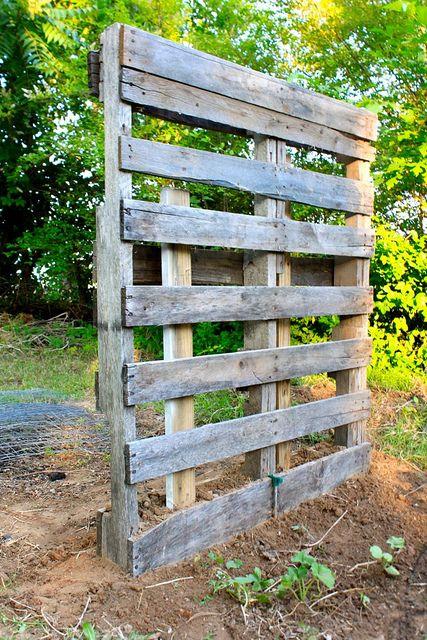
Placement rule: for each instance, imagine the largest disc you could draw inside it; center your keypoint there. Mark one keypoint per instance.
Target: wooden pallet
(270, 268)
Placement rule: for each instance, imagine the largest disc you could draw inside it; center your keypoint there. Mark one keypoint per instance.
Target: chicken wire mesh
(38, 421)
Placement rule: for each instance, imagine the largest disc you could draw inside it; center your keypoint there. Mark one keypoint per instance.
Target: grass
(406, 438)
(56, 355)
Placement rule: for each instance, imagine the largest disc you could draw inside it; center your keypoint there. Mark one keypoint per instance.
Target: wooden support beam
(144, 306)
(260, 269)
(209, 266)
(153, 222)
(158, 380)
(354, 271)
(211, 523)
(115, 344)
(261, 178)
(155, 457)
(283, 326)
(190, 105)
(146, 52)
(178, 343)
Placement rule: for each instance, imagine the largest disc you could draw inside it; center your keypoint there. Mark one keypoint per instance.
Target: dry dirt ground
(50, 574)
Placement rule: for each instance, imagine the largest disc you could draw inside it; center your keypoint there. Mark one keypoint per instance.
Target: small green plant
(365, 600)
(385, 558)
(247, 590)
(304, 576)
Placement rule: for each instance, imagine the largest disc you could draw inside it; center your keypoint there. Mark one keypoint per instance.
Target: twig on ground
(79, 621)
(414, 490)
(48, 622)
(245, 620)
(315, 544)
(336, 593)
(202, 614)
(160, 584)
(362, 564)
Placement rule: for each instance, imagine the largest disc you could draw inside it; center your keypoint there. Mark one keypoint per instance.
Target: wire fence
(37, 421)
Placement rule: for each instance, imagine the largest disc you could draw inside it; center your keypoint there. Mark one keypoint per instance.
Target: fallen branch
(79, 621)
(316, 544)
(160, 584)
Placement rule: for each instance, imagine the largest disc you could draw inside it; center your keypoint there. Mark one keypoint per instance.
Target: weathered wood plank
(178, 343)
(115, 344)
(260, 268)
(153, 222)
(160, 57)
(262, 178)
(353, 272)
(158, 380)
(192, 530)
(159, 456)
(226, 267)
(155, 305)
(190, 105)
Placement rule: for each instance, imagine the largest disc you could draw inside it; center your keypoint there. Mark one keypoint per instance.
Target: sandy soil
(49, 570)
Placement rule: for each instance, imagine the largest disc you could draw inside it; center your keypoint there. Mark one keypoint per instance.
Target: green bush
(399, 277)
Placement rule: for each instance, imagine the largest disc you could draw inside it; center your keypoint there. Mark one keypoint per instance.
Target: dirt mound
(50, 571)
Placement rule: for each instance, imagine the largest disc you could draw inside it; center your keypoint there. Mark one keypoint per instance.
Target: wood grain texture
(260, 269)
(350, 272)
(160, 57)
(158, 380)
(199, 527)
(190, 105)
(152, 222)
(178, 343)
(209, 266)
(262, 178)
(143, 306)
(162, 455)
(115, 344)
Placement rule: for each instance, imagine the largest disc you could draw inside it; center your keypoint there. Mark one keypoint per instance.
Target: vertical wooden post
(283, 388)
(114, 270)
(178, 343)
(353, 272)
(262, 269)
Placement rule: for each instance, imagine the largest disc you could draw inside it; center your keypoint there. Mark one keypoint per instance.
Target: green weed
(385, 558)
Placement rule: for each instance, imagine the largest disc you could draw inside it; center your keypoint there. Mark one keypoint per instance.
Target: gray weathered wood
(263, 178)
(115, 344)
(353, 272)
(153, 222)
(158, 380)
(192, 530)
(161, 455)
(209, 266)
(189, 105)
(160, 57)
(155, 305)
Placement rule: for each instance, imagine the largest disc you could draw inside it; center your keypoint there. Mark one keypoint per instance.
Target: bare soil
(49, 569)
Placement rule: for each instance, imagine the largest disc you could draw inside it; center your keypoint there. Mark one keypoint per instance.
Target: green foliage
(304, 579)
(304, 576)
(406, 438)
(385, 558)
(399, 276)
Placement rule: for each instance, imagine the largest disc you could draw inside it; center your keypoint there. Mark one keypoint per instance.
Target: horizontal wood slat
(159, 456)
(152, 222)
(160, 380)
(263, 178)
(160, 57)
(144, 306)
(190, 105)
(209, 266)
(191, 530)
